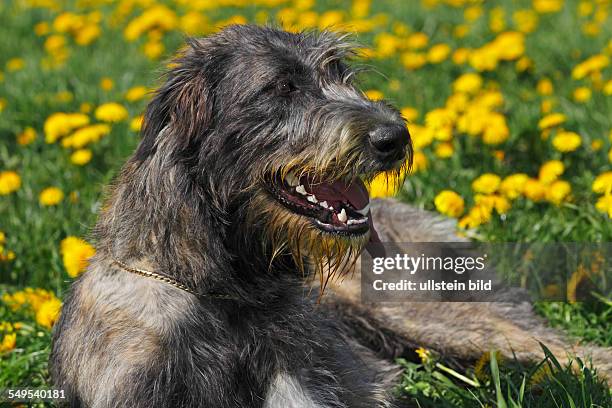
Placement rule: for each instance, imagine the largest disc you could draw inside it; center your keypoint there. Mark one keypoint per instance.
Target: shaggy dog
(248, 181)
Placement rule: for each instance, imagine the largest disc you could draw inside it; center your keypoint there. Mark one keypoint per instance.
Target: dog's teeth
(292, 180)
(359, 221)
(301, 190)
(364, 211)
(324, 204)
(312, 198)
(342, 216)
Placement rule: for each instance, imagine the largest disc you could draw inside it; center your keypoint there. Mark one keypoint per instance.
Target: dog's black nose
(389, 142)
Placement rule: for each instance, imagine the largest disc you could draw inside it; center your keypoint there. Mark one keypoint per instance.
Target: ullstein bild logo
(485, 272)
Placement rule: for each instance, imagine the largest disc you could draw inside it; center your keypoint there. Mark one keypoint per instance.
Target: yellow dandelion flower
(194, 23)
(545, 87)
(76, 253)
(9, 182)
(330, 19)
(461, 30)
(422, 136)
(472, 13)
(81, 157)
(607, 88)
(603, 183)
(547, 6)
(409, 113)
(55, 44)
(42, 28)
(596, 145)
(441, 121)
(546, 106)
(558, 192)
(50, 196)
(438, 53)
(27, 136)
(485, 58)
(60, 124)
(444, 150)
(374, 94)
(8, 342)
(111, 112)
(497, 19)
(153, 49)
(136, 93)
(582, 94)
(478, 215)
(48, 313)
(86, 135)
(413, 60)
(419, 162)
(106, 84)
(551, 120)
(469, 83)
(550, 171)
(136, 123)
(15, 64)
(585, 8)
(417, 41)
(534, 190)
(513, 185)
(524, 64)
(87, 34)
(157, 17)
(424, 354)
(487, 183)
(457, 102)
(590, 65)
(85, 107)
(386, 44)
(525, 20)
(449, 203)
(461, 56)
(604, 204)
(566, 141)
(495, 129)
(493, 202)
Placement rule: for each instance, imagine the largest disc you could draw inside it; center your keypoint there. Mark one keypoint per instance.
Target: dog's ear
(181, 108)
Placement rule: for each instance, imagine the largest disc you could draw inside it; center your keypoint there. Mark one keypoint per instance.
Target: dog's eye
(284, 87)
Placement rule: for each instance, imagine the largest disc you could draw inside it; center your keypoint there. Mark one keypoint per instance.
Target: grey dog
(248, 181)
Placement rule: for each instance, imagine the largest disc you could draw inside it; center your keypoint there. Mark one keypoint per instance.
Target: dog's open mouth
(336, 207)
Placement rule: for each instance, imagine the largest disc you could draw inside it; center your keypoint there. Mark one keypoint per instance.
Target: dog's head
(271, 127)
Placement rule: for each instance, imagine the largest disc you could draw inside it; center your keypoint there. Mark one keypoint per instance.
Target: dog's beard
(319, 255)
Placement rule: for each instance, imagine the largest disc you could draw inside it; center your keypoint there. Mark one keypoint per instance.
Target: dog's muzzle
(335, 207)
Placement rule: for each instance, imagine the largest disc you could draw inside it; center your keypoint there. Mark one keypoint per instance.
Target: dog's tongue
(357, 195)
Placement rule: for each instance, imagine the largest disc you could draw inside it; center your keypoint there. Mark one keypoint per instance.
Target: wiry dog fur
(191, 203)
(238, 109)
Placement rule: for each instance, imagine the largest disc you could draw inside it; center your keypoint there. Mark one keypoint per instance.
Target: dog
(247, 183)
(201, 291)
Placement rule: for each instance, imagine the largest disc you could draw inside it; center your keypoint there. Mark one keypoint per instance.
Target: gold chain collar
(166, 279)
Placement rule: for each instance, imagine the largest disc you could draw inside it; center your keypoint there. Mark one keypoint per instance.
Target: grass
(33, 232)
(504, 384)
